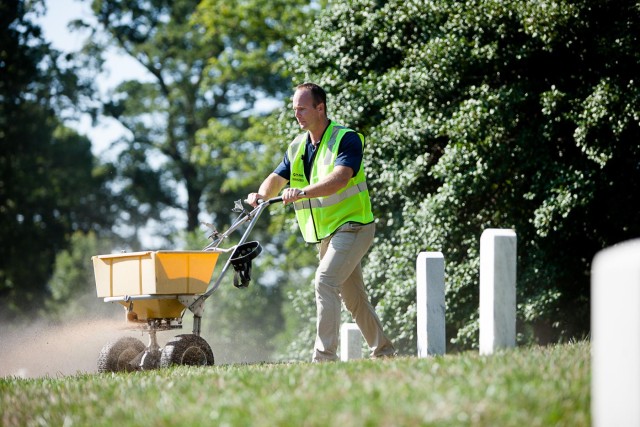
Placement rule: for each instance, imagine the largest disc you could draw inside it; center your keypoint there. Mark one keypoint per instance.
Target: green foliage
(241, 324)
(210, 65)
(72, 286)
(528, 386)
(479, 114)
(50, 184)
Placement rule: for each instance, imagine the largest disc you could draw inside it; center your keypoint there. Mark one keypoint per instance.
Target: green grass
(537, 386)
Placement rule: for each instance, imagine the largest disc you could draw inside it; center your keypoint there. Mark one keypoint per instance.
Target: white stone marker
(430, 304)
(497, 289)
(615, 336)
(350, 342)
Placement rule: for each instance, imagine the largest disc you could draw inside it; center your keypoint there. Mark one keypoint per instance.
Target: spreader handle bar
(275, 199)
(252, 217)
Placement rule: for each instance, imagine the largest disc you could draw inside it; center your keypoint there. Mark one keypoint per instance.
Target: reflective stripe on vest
(320, 217)
(331, 200)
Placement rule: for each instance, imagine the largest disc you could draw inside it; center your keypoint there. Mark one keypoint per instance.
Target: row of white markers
(615, 318)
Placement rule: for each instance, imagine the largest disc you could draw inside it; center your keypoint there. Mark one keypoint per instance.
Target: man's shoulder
(351, 135)
(297, 141)
(300, 138)
(350, 139)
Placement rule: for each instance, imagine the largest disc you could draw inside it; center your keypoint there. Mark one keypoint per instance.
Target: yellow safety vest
(320, 217)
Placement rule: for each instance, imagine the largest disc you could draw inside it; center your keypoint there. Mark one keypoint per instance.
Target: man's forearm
(335, 181)
(271, 186)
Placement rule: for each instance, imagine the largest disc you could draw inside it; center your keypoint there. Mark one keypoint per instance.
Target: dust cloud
(44, 349)
(47, 349)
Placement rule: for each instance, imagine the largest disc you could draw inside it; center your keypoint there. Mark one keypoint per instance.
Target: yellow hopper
(142, 281)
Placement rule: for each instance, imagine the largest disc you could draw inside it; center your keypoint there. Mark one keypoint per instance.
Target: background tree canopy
(489, 114)
(210, 64)
(478, 114)
(50, 183)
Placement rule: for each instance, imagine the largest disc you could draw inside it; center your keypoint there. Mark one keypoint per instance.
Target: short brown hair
(317, 93)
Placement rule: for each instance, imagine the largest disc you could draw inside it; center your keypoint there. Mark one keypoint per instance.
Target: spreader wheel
(186, 349)
(117, 355)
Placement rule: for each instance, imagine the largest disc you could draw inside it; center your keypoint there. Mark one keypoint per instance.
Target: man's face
(308, 116)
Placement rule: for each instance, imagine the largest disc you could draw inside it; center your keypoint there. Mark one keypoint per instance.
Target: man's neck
(317, 134)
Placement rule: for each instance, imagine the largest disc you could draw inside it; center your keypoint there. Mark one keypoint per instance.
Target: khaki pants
(339, 276)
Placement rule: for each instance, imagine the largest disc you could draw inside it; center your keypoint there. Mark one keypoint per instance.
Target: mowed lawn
(527, 386)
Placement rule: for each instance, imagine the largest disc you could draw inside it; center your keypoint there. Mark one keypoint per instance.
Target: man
(328, 189)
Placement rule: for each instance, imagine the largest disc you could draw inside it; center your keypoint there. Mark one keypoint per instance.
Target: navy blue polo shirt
(349, 154)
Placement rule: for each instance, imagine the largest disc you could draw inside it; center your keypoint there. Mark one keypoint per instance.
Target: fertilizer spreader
(157, 287)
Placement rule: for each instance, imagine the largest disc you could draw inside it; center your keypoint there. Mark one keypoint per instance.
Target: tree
(481, 114)
(50, 183)
(210, 63)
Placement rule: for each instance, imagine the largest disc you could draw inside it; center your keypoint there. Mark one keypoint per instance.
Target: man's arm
(333, 182)
(269, 188)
